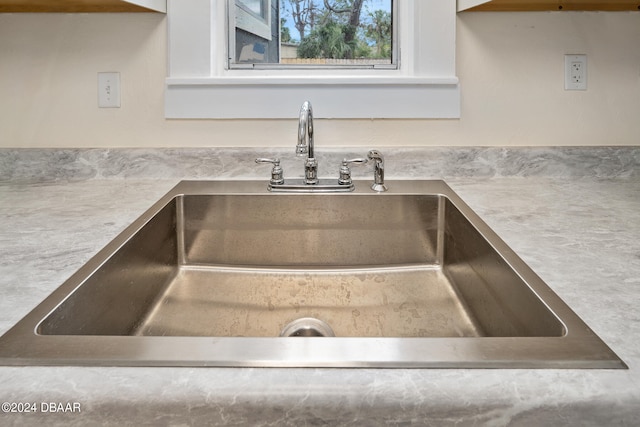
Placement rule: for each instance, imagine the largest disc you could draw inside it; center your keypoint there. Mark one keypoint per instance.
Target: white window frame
(200, 85)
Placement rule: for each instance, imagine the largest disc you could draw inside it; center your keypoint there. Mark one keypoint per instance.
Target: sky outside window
(353, 30)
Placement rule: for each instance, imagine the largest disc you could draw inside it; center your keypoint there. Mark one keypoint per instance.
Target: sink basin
(224, 273)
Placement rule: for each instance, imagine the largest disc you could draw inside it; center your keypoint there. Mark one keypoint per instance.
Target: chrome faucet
(311, 183)
(305, 144)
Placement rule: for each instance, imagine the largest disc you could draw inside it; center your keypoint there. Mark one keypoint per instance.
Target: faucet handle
(345, 172)
(276, 173)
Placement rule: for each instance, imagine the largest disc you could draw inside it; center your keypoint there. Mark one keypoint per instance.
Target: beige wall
(511, 68)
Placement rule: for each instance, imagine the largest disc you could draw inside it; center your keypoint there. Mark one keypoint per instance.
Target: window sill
(338, 97)
(298, 81)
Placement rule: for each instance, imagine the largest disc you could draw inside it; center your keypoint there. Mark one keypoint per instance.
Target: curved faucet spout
(305, 130)
(305, 143)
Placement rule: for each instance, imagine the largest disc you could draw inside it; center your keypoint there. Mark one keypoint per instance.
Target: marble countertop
(579, 231)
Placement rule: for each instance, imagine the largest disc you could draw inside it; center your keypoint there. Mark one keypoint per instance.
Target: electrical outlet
(575, 72)
(109, 90)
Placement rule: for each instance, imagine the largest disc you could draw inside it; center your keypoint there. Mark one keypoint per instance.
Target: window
(202, 83)
(253, 16)
(253, 32)
(257, 7)
(312, 33)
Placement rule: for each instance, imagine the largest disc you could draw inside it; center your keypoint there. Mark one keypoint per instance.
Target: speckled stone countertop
(573, 214)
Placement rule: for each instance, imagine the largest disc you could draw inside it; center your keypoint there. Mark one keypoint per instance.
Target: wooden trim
(558, 5)
(68, 6)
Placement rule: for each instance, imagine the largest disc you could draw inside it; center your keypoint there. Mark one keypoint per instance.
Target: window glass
(255, 6)
(312, 33)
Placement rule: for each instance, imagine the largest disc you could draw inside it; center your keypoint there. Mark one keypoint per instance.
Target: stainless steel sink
(224, 273)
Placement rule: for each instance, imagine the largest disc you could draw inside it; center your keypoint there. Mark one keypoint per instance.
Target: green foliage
(285, 34)
(327, 41)
(340, 31)
(378, 29)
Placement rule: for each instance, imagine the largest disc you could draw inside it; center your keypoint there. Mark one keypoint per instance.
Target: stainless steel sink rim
(579, 347)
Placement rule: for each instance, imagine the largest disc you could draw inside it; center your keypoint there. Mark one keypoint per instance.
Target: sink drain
(307, 327)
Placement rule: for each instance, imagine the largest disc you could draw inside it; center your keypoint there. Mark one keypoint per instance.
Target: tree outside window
(358, 31)
(313, 32)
